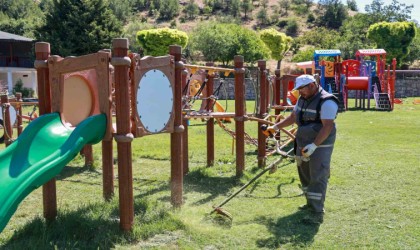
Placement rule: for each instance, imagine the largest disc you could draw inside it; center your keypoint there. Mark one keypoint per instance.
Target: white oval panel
(154, 100)
(13, 115)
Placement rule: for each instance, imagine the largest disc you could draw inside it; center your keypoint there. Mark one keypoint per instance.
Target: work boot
(306, 207)
(315, 218)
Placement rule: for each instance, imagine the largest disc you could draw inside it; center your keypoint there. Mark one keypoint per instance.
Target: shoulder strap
(323, 99)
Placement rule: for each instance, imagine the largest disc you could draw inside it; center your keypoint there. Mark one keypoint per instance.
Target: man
(314, 114)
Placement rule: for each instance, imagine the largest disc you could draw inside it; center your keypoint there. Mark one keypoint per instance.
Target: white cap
(303, 80)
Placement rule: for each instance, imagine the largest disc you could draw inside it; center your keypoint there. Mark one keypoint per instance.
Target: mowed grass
(372, 200)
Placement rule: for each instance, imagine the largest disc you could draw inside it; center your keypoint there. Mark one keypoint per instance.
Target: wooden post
(107, 169)
(7, 125)
(239, 114)
(176, 136)
(19, 113)
(107, 145)
(88, 154)
(42, 52)
(185, 159)
(277, 94)
(210, 122)
(284, 87)
(263, 110)
(123, 137)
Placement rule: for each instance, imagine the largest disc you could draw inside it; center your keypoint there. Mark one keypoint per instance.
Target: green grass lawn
(372, 200)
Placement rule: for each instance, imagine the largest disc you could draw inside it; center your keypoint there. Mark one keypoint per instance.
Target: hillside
(278, 18)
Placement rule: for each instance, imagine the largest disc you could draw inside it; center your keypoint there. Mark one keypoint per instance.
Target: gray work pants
(314, 175)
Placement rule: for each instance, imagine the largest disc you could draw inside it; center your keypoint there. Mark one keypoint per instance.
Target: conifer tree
(77, 27)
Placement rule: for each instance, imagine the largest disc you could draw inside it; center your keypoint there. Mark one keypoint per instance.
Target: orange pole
(122, 63)
(210, 122)
(262, 70)
(239, 114)
(176, 136)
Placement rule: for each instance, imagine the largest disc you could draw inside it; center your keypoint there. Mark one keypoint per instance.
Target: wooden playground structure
(80, 87)
(12, 116)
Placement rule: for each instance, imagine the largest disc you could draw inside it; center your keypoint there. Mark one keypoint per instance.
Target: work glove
(269, 131)
(309, 149)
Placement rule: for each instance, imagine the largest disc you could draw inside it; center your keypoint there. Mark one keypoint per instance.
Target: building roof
(13, 37)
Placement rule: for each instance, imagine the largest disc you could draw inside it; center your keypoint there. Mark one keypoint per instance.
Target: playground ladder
(381, 99)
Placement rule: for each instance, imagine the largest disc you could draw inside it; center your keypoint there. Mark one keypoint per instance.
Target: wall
(407, 84)
(228, 88)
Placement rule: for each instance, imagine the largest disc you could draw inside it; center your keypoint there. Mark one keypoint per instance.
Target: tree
(20, 17)
(333, 14)
(353, 35)
(414, 49)
(247, 7)
(292, 27)
(191, 9)
(395, 38)
(222, 41)
(77, 27)
(262, 16)
(352, 5)
(168, 9)
(304, 55)
(320, 38)
(122, 9)
(308, 3)
(155, 42)
(277, 42)
(130, 31)
(264, 3)
(285, 5)
(235, 9)
(395, 12)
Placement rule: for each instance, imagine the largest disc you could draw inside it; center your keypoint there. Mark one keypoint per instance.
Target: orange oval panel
(77, 100)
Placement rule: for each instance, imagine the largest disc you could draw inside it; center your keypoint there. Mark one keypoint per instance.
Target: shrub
(311, 18)
(26, 92)
(292, 27)
(282, 23)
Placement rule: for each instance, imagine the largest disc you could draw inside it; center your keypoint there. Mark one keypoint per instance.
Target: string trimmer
(273, 167)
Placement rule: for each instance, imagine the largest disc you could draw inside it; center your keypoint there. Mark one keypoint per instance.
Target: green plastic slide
(39, 154)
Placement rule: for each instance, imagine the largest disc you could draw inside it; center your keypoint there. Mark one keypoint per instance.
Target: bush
(26, 92)
(300, 10)
(304, 55)
(282, 23)
(220, 42)
(155, 42)
(311, 18)
(292, 28)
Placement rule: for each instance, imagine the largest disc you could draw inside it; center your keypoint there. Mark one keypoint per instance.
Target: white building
(16, 62)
